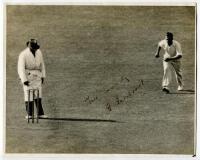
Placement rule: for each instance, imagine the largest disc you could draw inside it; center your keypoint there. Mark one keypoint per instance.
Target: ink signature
(90, 100)
(118, 99)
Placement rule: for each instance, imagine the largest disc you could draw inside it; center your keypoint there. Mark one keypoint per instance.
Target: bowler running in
(171, 61)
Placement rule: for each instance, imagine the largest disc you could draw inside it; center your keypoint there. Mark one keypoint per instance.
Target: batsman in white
(31, 70)
(171, 61)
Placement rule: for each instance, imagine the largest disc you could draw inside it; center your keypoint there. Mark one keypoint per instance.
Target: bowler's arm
(157, 55)
(173, 58)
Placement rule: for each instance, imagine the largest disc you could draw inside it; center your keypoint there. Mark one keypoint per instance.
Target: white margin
(4, 74)
(1, 81)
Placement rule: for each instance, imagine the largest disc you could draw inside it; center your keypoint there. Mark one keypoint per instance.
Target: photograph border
(103, 156)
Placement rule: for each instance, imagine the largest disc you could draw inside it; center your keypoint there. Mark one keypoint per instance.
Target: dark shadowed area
(103, 87)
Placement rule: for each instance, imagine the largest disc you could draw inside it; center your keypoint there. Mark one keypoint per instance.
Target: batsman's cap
(33, 44)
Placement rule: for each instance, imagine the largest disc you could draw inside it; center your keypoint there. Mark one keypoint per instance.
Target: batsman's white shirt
(31, 69)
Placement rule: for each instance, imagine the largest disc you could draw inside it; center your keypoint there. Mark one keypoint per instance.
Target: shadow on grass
(185, 91)
(188, 90)
(79, 119)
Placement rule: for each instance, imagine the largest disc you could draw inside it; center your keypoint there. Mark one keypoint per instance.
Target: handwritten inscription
(108, 107)
(110, 89)
(119, 98)
(124, 79)
(90, 100)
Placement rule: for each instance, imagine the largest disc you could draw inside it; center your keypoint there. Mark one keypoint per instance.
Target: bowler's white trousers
(34, 78)
(169, 68)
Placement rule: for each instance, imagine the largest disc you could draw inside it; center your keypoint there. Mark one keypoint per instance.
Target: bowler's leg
(178, 72)
(167, 77)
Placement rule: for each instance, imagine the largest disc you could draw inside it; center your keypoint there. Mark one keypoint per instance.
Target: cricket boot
(166, 90)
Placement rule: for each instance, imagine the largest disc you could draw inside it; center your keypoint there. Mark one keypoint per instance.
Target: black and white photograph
(100, 79)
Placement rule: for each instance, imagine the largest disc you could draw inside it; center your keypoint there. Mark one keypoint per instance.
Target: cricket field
(103, 91)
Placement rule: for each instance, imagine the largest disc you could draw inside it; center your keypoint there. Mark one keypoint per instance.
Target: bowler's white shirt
(27, 62)
(170, 51)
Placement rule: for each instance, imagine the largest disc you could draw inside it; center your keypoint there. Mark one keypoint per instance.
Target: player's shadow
(81, 119)
(185, 91)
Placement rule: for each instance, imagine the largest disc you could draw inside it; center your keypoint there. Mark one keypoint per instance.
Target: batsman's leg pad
(39, 106)
(30, 109)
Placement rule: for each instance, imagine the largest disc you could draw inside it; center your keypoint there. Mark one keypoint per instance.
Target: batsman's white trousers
(169, 68)
(35, 82)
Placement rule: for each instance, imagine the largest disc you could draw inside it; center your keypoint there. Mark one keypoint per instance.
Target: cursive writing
(90, 100)
(119, 98)
(130, 93)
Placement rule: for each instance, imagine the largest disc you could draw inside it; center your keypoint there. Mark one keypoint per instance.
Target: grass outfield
(103, 86)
